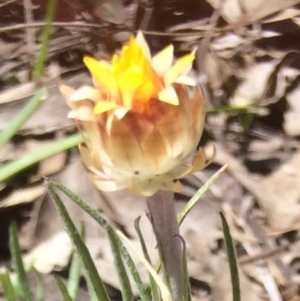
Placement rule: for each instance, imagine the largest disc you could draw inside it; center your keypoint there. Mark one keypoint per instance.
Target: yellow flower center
(129, 81)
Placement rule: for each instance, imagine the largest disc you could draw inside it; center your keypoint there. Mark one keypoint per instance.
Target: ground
(248, 62)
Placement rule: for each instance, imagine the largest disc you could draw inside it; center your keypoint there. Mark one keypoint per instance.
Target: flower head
(140, 123)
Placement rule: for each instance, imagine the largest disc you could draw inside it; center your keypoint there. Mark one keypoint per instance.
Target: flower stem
(166, 229)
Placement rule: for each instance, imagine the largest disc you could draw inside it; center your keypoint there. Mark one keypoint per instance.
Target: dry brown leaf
(284, 211)
(51, 165)
(53, 254)
(243, 11)
(24, 195)
(277, 194)
(51, 115)
(18, 92)
(292, 116)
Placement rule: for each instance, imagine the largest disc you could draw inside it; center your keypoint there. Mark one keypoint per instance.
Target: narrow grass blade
(134, 273)
(187, 291)
(91, 290)
(153, 286)
(40, 61)
(193, 201)
(164, 291)
(234, 272)
(10, 169)
(77, 200)
(126, 290)
(8, 289)
(63, 289)
(18, 266)
(103, 223)
(19, 120)
(74, 274)
(86, 258)
(247, 120)
(227, 109)
(40, 287)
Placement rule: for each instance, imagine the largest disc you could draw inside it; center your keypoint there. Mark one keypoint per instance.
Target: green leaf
(40, 61)
(194, 200)
(86, 258)
(10, 169)
(103, 223)
(18, 266)
(134, 273)
(63, 290)
(91, 290)
(227, 109)
(187, 291)
(20, 119)
(74, 273)
(234, 272)
(126, 290)
(7, 286)
(40, 288)
(153, 287)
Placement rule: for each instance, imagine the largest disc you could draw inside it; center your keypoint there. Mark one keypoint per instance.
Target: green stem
(40, 61)
(126, 290)
(227, 109)
(163, 217)
(234, 272)
(92, 273)
(18, 266)
(12, 168)
(103, 223)
(19, 120)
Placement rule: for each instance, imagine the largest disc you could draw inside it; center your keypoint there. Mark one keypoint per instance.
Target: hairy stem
(164, 220)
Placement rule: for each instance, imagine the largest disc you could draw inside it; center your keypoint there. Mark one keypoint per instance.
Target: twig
(55, 24)
(83, 26)
(262, 255)
(7, 2)
(29, 34)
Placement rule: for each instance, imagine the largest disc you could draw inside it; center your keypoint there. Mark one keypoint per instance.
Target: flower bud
(141, 122)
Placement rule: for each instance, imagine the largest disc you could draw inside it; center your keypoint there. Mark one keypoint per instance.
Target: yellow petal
(86, 158)
(66, 91)
(181, 65)
(85, 92)
(172, 186)
(92, 151)
(104, 106)
(162, 61)
(185, 80)
(200, 161)
(82, 110)
(191, 106)
(169, 96)
(132, 54)
(72, 115)
(137, 146)
(120, 112)
(107, 184)
(144, 188)
(102, 73)
(155, 152)
(170, 122)
(144, 45)
(124, 149)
